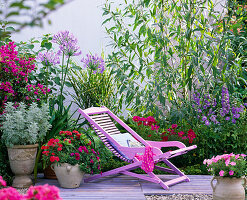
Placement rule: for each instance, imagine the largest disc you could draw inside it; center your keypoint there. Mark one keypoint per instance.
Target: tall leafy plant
(93, 85)
(163, 49)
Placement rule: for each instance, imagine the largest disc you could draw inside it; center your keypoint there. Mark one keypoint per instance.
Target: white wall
(83, 18)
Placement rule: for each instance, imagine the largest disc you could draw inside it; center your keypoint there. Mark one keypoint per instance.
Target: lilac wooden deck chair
(101, 119)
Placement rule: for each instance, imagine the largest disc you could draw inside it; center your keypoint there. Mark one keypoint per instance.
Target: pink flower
(237, 156)
(221, 173)
(10, 194)
(227, 162)
(2, 182)
(233, 163)
(174, 126)
(43, 192)
(231, 173)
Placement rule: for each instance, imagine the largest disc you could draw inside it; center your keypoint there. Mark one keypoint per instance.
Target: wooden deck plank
(123, 187)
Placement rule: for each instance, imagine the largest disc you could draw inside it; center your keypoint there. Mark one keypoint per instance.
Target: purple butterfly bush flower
(95, 63)
(206, 108)
(49, 58)
(67, 43)
(225, 102)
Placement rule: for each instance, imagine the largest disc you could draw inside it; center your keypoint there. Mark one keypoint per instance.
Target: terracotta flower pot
(22, 161)
(229, 188)
(49, 173)
(69, 176)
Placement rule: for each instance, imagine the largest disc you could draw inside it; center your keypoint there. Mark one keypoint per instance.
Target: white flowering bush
(22, 125)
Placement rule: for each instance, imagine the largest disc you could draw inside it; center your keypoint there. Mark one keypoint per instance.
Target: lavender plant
(221, 123)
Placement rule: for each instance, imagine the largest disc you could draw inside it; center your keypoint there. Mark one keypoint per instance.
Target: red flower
(59, 149)
(164, 138)
(68, 133)
(78, 136)
(61, 132)
(52, 158)
(75, 132)
(174, 126)
(90, 142)
(191, 134)
(149, 135)
(53, 154)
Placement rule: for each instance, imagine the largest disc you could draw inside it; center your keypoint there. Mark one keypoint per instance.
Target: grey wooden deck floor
(125, 187)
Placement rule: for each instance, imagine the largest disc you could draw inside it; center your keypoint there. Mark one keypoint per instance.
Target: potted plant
(22, 129)
(229, 171)
(71, 155)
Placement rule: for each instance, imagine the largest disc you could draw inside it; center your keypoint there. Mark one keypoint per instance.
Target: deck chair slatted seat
(102, 121)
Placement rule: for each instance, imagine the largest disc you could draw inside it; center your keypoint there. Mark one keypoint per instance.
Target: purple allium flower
(207, 122)
(233, 121)
(204, 118)
(49, 58)
(227, 118)
(94, 63)
(67, 43)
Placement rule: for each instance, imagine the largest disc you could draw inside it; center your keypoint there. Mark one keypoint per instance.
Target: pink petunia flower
(221, 173)
(2, 182)
(231, 172)
(233, 163)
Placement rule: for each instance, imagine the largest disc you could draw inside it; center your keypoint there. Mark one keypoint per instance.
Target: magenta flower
(174, 126)
(221, 173)
(231, 172)
(2, 182)
(136, 118)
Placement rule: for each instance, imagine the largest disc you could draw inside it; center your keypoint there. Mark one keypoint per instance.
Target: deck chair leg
(176, 170)
(162, 183)
(114, 171)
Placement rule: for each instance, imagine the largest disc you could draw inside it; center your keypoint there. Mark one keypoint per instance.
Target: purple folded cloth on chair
(147, 159)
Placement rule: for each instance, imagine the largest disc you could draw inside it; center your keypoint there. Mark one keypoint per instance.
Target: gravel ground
(180, 197)
(22, 190)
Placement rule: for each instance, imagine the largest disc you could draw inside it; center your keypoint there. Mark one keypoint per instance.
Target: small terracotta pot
(22, 161)
(229, 188)
(49, 173)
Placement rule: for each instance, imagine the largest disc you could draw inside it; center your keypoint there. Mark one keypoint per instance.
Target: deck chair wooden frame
(101, 120)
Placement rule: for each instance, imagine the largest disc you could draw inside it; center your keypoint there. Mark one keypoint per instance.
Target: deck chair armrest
(131, 152)
(166, 144)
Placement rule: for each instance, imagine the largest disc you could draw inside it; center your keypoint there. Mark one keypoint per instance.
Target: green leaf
(146, 2)
(57, 80)
(68, 84)
(10, 29)
(48, 45)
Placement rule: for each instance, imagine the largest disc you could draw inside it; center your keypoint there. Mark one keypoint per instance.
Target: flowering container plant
(73, 152)
(229, 171)
(22, 129)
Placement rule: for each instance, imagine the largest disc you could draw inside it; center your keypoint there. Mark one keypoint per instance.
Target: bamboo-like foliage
(165, 49)
(92, 89)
